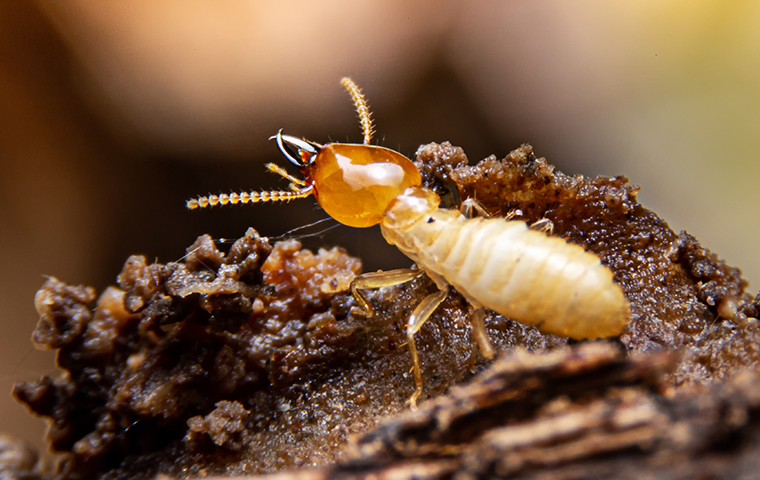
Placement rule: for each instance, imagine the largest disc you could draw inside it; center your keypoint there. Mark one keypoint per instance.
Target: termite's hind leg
(544, 225)
(379, 280)
(418, 318)
(480, 334)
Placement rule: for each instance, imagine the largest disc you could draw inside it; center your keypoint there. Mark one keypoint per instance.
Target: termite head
(410, 207)
(354, 183)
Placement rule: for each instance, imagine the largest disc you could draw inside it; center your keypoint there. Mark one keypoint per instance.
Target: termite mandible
(505, 265)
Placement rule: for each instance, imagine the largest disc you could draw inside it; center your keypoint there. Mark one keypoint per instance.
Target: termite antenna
(248, 197)
(298, 189)
(365, 116)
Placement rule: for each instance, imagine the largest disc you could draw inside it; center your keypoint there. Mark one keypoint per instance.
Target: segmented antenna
(247, 197)
(365, 116)
(298, 188)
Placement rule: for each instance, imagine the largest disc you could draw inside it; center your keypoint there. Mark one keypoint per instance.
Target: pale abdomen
(520, 273)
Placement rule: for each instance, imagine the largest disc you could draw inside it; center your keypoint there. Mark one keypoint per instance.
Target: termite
(518, 271)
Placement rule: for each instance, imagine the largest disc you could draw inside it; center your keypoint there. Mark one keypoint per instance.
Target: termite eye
(356, 183)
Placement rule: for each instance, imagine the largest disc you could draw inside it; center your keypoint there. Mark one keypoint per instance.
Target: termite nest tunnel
(257, 360)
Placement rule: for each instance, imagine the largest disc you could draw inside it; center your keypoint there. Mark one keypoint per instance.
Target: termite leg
(378, 280)
(418, 318)
(514, 213)
(480, 334)
(471, 204)
(544, 225)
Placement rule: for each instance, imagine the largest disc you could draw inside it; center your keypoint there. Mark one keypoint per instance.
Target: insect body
(503, 265)
(508, 267)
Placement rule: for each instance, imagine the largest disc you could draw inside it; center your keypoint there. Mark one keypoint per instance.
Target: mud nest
(258, 360)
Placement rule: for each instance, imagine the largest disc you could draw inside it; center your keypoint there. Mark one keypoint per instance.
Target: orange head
(354, 183)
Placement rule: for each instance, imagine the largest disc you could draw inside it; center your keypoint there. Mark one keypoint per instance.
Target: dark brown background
(112, 116)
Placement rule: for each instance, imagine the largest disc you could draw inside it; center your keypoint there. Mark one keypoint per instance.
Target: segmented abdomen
(520, 273)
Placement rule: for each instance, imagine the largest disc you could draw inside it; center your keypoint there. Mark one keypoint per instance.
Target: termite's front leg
(416, 320)
(379, 280)
(470, 206)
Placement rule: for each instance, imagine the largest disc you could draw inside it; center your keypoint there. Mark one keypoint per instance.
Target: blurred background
(112, 114)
